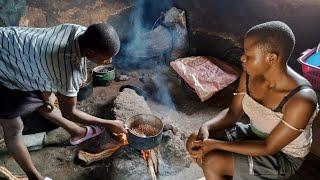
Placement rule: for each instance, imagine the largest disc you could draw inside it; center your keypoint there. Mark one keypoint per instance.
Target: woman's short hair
(274, 36)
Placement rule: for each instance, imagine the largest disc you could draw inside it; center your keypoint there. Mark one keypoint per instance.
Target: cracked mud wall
(43, 13)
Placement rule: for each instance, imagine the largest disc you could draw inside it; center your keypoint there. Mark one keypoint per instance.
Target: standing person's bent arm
(70, 111)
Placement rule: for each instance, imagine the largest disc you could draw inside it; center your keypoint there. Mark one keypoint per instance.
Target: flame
(145, 154)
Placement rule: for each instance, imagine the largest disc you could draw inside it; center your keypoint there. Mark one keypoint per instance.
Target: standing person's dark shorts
(276, 166)
(15, 103)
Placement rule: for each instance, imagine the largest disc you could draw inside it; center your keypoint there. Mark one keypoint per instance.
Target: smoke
(144, 17)
(138, 28)
(162, 93)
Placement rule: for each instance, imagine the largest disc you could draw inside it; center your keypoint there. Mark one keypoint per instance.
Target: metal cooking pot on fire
(144, 131)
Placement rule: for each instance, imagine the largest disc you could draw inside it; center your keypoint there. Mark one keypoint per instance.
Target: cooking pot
(144, 142)
(103, 74)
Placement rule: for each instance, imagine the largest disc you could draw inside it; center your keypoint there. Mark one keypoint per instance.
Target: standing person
(36, 63)
(280, 104)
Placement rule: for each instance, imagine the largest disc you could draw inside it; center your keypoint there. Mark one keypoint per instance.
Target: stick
(152, 170)
(88, 158)
(154, 158)
(8, 175)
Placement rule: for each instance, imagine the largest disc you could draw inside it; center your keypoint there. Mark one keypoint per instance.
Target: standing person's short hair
(103, 38)
(275, 37)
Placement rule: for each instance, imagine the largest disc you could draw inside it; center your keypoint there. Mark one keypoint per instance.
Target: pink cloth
(206, 75)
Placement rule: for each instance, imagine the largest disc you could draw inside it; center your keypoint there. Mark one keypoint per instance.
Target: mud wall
(216, 25)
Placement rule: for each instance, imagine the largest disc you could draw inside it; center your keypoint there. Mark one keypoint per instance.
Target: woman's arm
(227, 117)
(297, 113)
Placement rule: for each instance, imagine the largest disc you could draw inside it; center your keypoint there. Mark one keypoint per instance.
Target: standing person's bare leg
(12, 129)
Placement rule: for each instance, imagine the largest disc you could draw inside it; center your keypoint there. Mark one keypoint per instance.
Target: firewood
(89, 158)
(8, 175)
(152, 169)
(154, 158)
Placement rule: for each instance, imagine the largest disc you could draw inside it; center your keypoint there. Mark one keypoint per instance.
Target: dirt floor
(58, 160)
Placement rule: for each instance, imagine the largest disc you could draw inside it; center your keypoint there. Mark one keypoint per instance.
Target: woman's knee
(218, 162)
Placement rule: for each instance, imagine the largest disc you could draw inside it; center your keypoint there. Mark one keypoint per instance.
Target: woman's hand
(203, 133)
(201, 148)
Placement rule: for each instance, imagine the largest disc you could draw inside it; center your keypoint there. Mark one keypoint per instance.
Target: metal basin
(144, 142)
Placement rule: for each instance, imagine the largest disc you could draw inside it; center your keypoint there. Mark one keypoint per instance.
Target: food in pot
(144, 130)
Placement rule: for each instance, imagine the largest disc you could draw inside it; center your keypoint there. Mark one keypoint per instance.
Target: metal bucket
(147, 142)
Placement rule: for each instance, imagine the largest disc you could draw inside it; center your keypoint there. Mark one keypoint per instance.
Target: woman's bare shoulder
(305, 99)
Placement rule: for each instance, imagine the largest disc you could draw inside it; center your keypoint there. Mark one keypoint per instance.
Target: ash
(128, 163)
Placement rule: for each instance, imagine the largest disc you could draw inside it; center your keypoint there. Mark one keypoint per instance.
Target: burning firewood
(154, 159)
(151, 158)
(5, 173)
(89, 158)
(152, 170)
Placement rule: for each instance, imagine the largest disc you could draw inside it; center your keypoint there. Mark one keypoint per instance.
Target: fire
(152, 161)
(145, 154)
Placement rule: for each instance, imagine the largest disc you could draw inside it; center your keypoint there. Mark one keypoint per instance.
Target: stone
(128, 104)
(129, 164)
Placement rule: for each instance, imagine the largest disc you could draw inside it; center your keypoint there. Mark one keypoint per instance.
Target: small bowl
(86, 89)
(103, 74)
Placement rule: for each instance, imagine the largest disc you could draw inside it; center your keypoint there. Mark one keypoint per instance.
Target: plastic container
(310, 72)
(314, 59)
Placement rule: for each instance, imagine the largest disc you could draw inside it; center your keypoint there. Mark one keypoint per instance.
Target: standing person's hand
(203, 133)
(117, 126)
